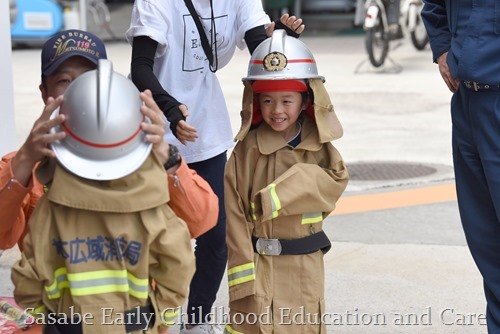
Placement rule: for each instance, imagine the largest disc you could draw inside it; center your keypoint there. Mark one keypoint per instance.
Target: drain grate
(378, 171)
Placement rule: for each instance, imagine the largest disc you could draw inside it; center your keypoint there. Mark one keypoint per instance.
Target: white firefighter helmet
(104, 139)
(282, 57)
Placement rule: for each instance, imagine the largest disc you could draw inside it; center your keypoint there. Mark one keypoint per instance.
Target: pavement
(399, 261)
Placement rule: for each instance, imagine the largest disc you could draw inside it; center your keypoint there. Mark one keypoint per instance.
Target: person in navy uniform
(465, 42)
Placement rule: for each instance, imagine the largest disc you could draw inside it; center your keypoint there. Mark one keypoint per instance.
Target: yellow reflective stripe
(90, 275)
(252, 207)
(41, 309)
(247, 278)
(311, 218)
(240, 268)
(97, 290)
(60, 282)
(137, 281)
(139, 287)
(169, 318)
(229, 330)
(37, 312)
(241, 274)
(275, 201)
(97, 282)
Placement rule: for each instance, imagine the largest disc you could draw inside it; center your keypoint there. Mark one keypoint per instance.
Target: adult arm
(17, 202)
(19, 190)
(436, 20)
(143, 55)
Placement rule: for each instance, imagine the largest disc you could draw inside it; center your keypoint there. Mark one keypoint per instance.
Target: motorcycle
(377, 28)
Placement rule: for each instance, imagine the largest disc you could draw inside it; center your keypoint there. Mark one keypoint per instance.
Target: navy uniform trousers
(476, 155)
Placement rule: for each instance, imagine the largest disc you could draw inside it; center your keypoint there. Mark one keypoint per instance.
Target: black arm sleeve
(143, 53)
(257, 35)
(289, 32)
(254, 37)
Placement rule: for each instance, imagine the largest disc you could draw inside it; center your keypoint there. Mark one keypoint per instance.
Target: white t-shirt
(183, 69)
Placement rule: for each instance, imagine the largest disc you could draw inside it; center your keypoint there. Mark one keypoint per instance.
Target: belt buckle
(268, 246)
(471, 85)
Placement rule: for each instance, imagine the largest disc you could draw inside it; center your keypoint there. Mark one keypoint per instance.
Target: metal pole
(7, 124)
(83, 15)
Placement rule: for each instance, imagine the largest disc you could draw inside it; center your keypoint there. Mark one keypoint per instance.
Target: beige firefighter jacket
(275, 191)
(97, 245)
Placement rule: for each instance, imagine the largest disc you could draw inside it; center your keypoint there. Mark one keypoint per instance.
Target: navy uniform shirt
(470, 31)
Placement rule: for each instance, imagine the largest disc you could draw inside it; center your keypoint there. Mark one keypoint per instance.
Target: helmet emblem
(275, 61)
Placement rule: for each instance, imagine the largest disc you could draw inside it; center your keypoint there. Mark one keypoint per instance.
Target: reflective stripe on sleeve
(275, 201)
(241, 274)
(38, 312)
(229, 330)
(311, 218)
(169, 318)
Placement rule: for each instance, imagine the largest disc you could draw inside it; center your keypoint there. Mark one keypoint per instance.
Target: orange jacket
(18, 202)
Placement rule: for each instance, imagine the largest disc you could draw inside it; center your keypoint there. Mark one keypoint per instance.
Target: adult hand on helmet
(37, 144)
(185, 132)
(155, 129)
(291, 22)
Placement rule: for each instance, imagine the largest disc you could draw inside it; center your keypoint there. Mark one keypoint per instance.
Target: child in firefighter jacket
(282, 179)
(94, 247)
(103, 232)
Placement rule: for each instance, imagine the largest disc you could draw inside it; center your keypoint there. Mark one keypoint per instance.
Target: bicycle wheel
(377, 44)
(419, 36)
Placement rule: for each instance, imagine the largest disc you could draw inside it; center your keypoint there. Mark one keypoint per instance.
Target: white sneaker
(202, 329)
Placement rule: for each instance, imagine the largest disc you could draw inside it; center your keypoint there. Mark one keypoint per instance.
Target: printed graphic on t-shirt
(194, 57)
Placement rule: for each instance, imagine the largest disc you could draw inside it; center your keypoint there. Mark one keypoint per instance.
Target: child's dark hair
(309, 94)
(305, 95)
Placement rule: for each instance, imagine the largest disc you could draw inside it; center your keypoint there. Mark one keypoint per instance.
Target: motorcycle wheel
(419, 36)
(377, 44)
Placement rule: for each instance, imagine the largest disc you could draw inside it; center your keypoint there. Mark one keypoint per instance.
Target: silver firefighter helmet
(104, 139)
(282, 57)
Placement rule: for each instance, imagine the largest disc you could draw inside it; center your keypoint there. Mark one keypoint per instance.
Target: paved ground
(399, 263)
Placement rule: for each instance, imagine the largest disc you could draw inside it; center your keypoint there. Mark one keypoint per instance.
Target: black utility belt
(479, 87)
(305, 245)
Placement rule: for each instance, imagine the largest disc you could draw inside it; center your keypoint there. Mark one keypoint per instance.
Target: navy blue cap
(69, 43)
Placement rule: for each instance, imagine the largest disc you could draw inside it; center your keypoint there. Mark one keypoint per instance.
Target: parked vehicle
(377, 30)
(35, 20)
